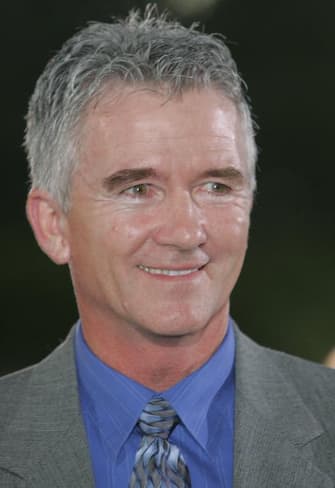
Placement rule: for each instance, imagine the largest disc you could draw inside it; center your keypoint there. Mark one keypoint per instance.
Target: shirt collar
(193, 396)
(114, 401)
(117, 401)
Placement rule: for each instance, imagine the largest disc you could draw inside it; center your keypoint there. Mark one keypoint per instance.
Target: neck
(154, 361)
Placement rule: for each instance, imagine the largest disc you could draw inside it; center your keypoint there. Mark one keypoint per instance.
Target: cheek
(126, 233)
(229, 227)
(240, 227)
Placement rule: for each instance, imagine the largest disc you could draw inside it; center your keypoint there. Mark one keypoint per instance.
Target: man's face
(158, 225)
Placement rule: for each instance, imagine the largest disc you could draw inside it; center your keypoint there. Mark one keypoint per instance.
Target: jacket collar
(271, 449)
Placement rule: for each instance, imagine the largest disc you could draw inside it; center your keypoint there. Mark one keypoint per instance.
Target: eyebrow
(126, 176)
(229, 173)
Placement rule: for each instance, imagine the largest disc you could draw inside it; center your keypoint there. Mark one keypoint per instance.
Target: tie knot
(158, 418)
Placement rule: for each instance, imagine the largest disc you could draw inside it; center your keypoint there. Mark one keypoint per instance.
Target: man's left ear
(49, 224)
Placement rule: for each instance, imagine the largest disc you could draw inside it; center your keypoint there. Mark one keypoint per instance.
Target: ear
(49, 224)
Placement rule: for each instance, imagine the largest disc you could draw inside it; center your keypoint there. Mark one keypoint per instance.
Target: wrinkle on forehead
(133, 121)
(224, 121)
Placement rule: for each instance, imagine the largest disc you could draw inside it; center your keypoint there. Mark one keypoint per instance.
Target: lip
(172, 272)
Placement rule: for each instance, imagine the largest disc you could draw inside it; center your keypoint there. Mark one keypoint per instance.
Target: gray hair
(148, 50)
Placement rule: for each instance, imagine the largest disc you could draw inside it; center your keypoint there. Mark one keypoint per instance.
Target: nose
(181, 223)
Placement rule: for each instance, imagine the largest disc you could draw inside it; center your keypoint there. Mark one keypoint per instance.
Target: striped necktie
(158, 463)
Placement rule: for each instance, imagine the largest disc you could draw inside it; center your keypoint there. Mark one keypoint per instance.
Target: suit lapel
(64, 464)
(273, 427)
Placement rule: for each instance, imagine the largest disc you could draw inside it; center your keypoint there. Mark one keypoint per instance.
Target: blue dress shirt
(111, 404)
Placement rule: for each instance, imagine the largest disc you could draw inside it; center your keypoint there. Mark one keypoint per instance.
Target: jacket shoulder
(13, 388)
(25, 386)
(309, 378)
(282, 372)
(314, 382)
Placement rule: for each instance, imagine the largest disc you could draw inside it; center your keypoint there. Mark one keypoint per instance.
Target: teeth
(167, 272)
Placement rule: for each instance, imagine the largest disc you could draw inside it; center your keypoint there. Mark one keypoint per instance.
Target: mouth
(169, 272)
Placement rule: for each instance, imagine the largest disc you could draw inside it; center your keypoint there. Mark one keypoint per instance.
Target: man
(142, 158)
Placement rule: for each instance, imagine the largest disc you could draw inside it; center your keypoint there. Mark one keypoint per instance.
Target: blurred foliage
(285, 51)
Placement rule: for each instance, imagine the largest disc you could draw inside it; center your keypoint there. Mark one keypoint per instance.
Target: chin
(178, 330)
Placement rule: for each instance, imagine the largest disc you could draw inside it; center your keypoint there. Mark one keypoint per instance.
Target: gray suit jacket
(284, 436)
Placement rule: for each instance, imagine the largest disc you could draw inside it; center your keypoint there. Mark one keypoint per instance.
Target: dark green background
(285, 51)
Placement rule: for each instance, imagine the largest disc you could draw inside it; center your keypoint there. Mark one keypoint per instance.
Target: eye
(216, 187)
(139, 190)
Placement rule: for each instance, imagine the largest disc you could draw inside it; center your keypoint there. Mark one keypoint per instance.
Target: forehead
(130, 126)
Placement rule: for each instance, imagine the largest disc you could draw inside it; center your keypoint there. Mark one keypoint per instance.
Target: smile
(167, 272)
